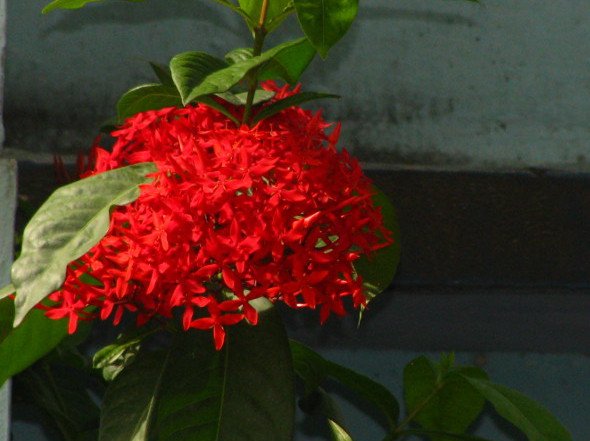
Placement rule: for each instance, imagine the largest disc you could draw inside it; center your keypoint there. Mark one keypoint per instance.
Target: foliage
(159, 381)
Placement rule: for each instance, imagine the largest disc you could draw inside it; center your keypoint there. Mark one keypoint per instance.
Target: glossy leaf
(190, 69)
(313, 369)
(290, 63)
(325, 22)
(379, 269)
(337, 432)
(35, 337)
(441, 400)
(253, 8)
(219, 107)
(238, 55)
(130, 400)
(527, 415)
(70, 4)
(291, 101)
(222, 80)
(243, 392)
(239, 99)
(68, 224)
(147, 97)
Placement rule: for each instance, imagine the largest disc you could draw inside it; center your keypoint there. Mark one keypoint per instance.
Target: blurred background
(475, 120)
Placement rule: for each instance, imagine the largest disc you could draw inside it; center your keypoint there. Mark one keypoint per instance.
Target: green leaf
(70, 4)
(147, 97)
(190, 69)
(291, 101)
(68, 224)
(229, 4)
(63, 395)
(313, 369)
(32, 339)
(239, 99)
(243, 392)
(240, 54)
(113, 358)
(319, 402)
(325, 22)
(433, 434)
(7, 290)
(290, 63)
(253, 8)
(530, 417)
(379, 269)
(130, 400)
(222, 80)
(163, 73)
(220, 108)
(440, 399)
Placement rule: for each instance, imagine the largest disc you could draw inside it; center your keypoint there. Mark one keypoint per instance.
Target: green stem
(407, 420)
(259, 35)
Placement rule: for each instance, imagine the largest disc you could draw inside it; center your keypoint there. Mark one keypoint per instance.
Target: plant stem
(259, 35)
(407, 420)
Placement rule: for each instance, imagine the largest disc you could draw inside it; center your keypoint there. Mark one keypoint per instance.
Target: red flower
(232, 214)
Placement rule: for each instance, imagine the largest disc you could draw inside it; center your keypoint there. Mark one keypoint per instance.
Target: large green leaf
(313, 369)
(291, 101)
(68, 224)
(70, 4)
(243, 392)
(290, 63)
(530, 417)
(32, 339)
(379, 269)
(222, 80)
(325, 21)
(190, 392)
(189, 69)
(147, 97)
(130, 400)
(440, 399)
(435, 433)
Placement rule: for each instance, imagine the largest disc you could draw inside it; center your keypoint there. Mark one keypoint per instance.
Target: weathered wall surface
(497, 83)
(7, 208)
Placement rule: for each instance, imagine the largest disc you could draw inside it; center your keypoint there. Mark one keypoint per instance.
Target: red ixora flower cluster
(232, 214)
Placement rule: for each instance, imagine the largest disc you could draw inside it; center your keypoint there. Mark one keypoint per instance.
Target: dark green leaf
(440, 399)
(319, 402)
(190, 69)
(70, 222)
(253, 8)
(220, 108)
(275, 21)
(70, 4)
(147, 97)
(130, 400)
(325, 22)
(229, 4)
(379, 269)
(63, 395)
(290, 63)
(530, 417)
(312, 368)
(6, 317)
(243, 392)
(239, 99)
(32, 339)
(433, 434)
(163, 73)
(291, 101)
(222, 80)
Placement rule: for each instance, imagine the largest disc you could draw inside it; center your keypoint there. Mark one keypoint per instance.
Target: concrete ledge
(7, 210)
